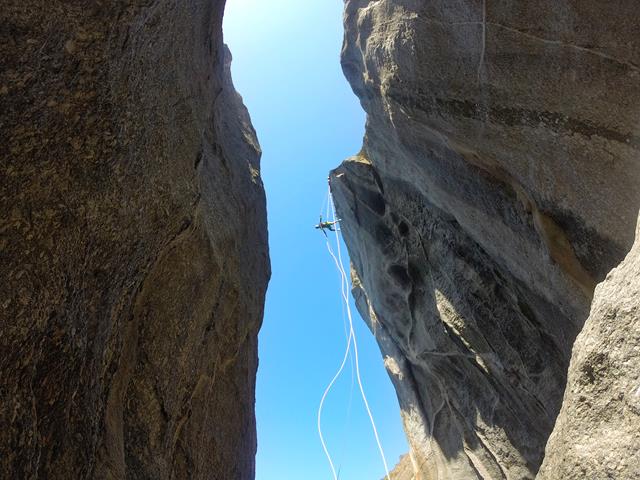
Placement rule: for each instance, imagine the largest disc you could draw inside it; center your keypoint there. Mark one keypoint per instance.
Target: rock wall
(497, 185)
(133, 245)
(405, 470)
(597, 434)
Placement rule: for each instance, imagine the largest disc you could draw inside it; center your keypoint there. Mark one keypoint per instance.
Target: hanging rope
(344, 287)
(342, 365)
(344, 449)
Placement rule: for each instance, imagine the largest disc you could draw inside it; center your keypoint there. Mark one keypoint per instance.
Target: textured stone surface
(405, 470)
(497, 184)
(597, 434)
(133, 250)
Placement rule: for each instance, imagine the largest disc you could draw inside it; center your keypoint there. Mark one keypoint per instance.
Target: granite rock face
(133, 246)
(597, 434)
(497, 185)
(405, 470)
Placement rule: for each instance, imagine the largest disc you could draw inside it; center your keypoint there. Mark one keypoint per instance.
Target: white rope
(344, 359)
(344, 449)
(484, 39)
(333, 380)
(352, 338)
(355, 345)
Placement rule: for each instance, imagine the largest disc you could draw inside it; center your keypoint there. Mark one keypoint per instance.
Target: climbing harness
(351, 340)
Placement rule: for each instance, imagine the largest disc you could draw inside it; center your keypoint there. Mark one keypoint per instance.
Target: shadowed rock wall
(497, 185)
(133, 246)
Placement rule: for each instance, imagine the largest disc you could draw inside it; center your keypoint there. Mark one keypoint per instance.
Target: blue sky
(286, 66)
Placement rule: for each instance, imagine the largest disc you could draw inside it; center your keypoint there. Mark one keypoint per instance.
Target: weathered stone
(406, 470)
(597, 434)
(132, 241)
(497, 184)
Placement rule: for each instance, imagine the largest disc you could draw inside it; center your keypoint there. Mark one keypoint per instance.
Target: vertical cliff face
(598, 430)
(404, 470)
(497, 185)
(132, 242)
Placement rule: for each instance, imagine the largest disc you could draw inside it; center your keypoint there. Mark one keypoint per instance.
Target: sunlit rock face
(132, 242)
(404, 470)
(497, 185)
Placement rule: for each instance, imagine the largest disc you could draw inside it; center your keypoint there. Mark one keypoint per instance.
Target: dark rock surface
(497, 185)
(133, 247)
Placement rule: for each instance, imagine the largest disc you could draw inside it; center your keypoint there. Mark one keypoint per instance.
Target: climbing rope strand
(324, 396)
(343, 451)
(335, 378)
(353, 336)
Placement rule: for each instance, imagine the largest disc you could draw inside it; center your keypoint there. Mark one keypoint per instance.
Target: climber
(328, 225)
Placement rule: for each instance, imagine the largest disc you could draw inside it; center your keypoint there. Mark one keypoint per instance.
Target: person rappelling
(326, 225)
